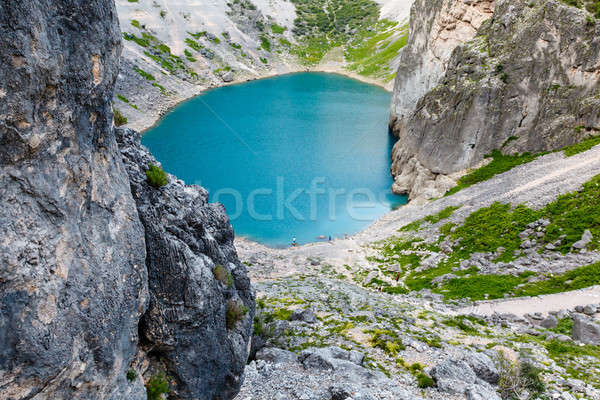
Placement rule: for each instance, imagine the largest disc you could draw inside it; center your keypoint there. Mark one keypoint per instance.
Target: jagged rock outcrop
(436, 28)
(528, 81)
(186, 239)
(85, 267)
(72, 275)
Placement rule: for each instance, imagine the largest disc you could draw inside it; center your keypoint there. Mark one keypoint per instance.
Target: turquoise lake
(303, 155)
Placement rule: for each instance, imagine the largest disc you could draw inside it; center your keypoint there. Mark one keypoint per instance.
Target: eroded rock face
(186, 239)
(530, 75)
(436, 28)
(72, 274)
(90, 254)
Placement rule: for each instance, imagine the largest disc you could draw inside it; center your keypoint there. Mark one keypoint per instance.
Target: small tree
(156, 176)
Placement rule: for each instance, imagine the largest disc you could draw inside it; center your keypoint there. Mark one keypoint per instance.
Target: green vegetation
(465, 323)
(582, 146)
(119, 118)
(235, 312)
(444, 214)
(518, 378)
(144, 74)
(565, 326)
(495, 230)
(222, 275)
(265, 43)
(323, 25)
(575, 279)
(500, 163)
(131, 375)
(278, 30)
(335, 18)
(592, 6)
(424, 380)
(386, 340)
(580, 362)
(432, 219)
(157, 386)
(156, 177)
(125, 100)
(372, 50)
(135, 23)
(193, 44)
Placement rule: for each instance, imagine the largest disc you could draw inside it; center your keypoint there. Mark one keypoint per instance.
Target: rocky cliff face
(436, 28)
(528, 81)
(185, 328)
(83, 266)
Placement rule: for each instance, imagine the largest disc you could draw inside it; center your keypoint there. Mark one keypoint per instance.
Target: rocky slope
(106, 282)
(175, 49)
(527, 82)
(408, 295)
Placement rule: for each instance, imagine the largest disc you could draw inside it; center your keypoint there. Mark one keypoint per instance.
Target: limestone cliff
(85, 267)
(528, 81)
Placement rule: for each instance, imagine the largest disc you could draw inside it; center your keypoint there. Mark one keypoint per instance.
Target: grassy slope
(495, 229)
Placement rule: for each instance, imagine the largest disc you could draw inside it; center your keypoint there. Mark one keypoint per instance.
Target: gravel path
(542, 304)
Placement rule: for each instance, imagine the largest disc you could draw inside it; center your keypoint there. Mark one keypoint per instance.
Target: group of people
(295, 242)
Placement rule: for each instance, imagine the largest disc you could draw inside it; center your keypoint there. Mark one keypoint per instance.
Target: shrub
(156, 176)
(264, 43)
(131, 375)
(516, 378)
(222, 275)
(277, 29)
(234, 313)
(424, 381)
(157, 386)
(119, 118)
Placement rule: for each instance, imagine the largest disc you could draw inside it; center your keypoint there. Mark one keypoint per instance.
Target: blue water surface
(303, 155)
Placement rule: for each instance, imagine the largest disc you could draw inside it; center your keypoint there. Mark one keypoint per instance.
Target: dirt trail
(543, 304)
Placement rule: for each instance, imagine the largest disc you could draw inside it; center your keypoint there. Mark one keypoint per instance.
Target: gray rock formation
(81, 260)
(186, 239)
(529, 75)
(436, 28)
(586, 330)
(72, 278)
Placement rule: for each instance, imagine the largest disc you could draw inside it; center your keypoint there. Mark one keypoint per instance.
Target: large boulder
(586, 330)
(483, 366)
(73, 281)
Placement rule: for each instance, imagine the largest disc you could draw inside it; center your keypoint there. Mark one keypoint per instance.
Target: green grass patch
(500, 164)
(372, 54)
(575, 279)
(144, 74)
(564, 326)
(432, 219)
(476, 287)
(265, 44)
(582, 146)
(277, 29)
